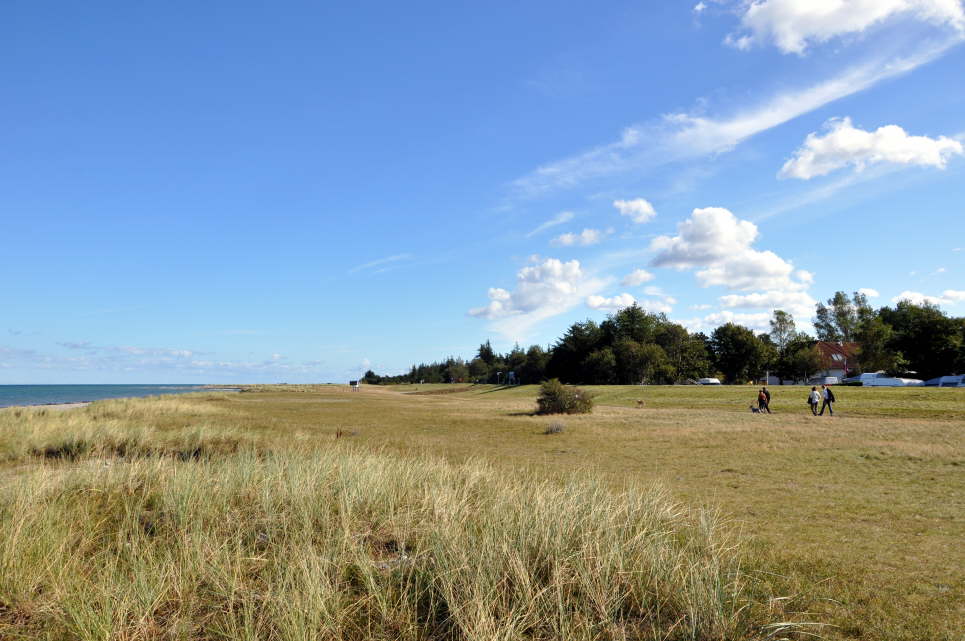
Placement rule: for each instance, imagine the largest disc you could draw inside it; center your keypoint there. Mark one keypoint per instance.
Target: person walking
(813, 398)
(762, 402)
(828, 400)
(767, 395)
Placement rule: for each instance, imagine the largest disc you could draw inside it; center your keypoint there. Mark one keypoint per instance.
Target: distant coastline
(74, 395)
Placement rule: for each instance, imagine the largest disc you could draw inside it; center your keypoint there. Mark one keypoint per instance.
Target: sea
(11, 395)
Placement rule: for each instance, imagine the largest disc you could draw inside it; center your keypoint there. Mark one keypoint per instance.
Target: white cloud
(869, 292)
(757, 321)
(845, 145)
(793, 25)
(957, 249)
(543, 290)
(948, 297)
(798, 304)
(616, 303)
(637, 277)
(613, 304)
(558, 219)
(682, 136)
(699, 7)
(714, 239)
(639, 210)
(583, 239)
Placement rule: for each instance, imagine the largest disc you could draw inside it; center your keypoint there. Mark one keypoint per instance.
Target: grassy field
(425, 512)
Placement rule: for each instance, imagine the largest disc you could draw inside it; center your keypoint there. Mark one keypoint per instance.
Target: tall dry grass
(163, 519)
(342, 545)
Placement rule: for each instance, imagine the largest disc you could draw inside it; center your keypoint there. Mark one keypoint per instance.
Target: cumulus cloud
(948, 297)
(793, 25)
(869, 292)
(558, 219)
(583, 239)
(639, 210)
(715, 240)
(637, 277)
(543, 290)
(758, 321)
(798, 304)
(663, 305)
(845, 145)
(615, 303)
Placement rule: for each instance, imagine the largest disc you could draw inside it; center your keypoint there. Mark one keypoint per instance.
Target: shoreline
(53, 406)
(74, 404)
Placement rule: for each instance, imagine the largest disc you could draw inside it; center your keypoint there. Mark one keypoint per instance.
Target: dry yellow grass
(857, 520)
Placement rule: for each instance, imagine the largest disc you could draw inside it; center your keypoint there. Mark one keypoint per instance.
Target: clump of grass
(556, 398)
(556, 427)
(349, 546)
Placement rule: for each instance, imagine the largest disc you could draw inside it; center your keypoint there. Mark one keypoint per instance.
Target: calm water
(46, 394)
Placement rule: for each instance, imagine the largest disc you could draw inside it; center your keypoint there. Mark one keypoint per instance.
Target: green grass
(853, 522)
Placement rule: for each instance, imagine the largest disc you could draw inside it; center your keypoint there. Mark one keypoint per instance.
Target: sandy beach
(53, 406)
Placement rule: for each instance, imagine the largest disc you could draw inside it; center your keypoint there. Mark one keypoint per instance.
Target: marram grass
(344, 545)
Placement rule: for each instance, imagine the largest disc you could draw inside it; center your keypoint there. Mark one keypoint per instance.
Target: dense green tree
(803, 360)
(600, 367)
(738, 353)
(571, 350)
(929, 340)
(633, 323)
(486, 353)
(686, 354)
(875, 351)
(534, 369)
(478, 369)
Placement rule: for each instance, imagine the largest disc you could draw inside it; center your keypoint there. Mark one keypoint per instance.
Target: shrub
(556, 398)
(556, 427)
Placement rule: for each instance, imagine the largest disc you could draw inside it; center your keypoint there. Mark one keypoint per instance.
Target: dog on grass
(756, 410)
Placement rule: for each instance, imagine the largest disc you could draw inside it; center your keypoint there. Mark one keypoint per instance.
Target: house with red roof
(837, 359)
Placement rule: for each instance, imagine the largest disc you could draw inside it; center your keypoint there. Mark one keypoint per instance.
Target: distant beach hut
(355, 385)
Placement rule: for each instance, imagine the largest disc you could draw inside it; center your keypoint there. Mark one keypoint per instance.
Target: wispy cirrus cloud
(681, 136)
(380, 262)
(559, 219)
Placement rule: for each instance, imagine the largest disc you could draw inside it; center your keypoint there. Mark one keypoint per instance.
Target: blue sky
(236, 192)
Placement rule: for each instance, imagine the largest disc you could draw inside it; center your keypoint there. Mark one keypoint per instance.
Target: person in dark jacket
(767, 394)
(828, 397)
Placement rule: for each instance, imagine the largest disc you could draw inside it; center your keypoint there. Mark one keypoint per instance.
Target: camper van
(880, 379)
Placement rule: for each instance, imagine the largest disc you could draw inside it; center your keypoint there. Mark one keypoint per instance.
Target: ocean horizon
(18, 395)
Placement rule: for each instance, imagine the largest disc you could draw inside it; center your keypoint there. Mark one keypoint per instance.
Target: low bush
(556, 427)
(556, 398)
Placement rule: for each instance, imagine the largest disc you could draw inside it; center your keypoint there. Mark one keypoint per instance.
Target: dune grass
(143, 543)
(854, 523)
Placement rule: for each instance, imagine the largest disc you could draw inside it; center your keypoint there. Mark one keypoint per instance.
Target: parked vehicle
(708, 381)
(824, 380)
(880, 379)
(947, 381)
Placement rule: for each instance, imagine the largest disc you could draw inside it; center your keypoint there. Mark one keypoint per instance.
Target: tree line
(634, 346)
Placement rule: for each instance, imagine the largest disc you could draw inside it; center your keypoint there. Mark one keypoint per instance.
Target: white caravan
(880, 379)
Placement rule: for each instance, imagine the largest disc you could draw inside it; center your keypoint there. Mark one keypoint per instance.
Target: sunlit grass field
(447, 512)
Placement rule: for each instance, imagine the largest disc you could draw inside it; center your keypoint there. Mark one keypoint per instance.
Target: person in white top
(813, 399)
(828, 399)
